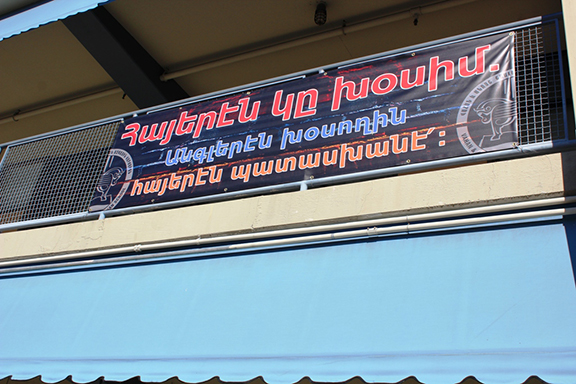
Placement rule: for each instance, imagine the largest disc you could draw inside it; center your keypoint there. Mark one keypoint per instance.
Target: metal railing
(53, 176)
(56, 176)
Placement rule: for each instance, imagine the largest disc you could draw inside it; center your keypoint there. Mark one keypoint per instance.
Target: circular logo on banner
(490, 114)
(114, 181)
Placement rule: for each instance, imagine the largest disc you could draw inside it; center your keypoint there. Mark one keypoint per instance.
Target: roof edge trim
(45, 13)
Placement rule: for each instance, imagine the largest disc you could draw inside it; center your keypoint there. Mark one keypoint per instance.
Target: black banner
(435, 103)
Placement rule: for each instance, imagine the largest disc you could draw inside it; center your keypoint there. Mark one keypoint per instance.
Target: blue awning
(497, 304)
(43, 14)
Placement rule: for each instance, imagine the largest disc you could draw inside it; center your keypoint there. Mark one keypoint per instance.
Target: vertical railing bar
(561, 70)
(537, 99)
(538, 118)
(519, 53)
(526, 57)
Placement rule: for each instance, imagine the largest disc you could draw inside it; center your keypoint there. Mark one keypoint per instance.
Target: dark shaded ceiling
(130, 54)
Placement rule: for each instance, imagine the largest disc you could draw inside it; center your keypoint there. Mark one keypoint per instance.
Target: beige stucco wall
(481, 184)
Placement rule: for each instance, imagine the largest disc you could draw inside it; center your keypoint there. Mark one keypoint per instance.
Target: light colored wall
(569, 14)
(482, 184)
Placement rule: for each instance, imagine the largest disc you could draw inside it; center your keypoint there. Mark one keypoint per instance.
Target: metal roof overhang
(44, 13)
(495, 303)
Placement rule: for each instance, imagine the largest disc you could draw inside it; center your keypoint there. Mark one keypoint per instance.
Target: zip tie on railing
(371, 231)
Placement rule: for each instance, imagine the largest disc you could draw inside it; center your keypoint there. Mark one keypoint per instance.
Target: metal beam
(125, 60)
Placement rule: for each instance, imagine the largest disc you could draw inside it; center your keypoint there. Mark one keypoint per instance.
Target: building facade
(438, 267)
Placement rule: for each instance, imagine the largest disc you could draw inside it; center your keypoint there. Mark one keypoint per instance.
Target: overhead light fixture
(320, 14)
(416, 15)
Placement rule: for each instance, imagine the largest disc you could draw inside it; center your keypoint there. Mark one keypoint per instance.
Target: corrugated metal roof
(44, 13)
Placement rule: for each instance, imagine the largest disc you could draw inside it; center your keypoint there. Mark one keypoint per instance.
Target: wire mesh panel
(539, 84)
(54, 176)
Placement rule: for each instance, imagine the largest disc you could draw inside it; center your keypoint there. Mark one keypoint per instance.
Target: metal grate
(539, 85)
(54, 176)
